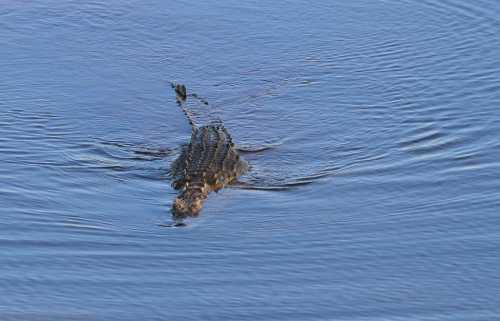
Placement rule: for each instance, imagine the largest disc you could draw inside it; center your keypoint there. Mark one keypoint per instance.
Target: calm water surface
(377, 197)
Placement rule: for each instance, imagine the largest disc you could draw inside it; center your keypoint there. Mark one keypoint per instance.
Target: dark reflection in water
(371, 129)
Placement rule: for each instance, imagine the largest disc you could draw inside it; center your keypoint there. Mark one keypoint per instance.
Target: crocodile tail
(196, 113)
(180, 91)
(181, 96)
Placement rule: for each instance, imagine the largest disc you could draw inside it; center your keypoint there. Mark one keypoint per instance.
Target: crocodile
(208, 163)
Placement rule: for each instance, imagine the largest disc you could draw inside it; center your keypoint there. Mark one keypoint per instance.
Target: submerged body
(208, 163)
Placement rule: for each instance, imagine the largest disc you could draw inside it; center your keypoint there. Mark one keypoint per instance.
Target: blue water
(376, 196)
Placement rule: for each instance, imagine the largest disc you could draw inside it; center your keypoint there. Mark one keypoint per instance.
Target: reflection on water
(371, 129)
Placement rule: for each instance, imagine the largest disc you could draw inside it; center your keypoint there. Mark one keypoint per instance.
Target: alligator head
(190, 201)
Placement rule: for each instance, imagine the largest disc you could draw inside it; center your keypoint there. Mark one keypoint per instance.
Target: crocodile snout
(182, 207)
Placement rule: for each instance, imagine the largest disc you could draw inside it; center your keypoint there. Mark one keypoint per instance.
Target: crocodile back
(210, 158)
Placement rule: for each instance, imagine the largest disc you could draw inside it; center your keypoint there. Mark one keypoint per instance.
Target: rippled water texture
(373, 191)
